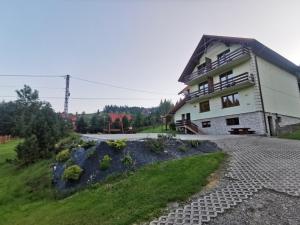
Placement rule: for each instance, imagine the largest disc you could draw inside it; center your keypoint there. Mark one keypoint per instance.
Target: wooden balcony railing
(218, 63)
(231, 82)
(187, 123)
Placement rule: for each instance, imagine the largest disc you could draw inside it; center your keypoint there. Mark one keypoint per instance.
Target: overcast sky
(135, 44)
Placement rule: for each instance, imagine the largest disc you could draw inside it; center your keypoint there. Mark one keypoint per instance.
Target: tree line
(142, 117)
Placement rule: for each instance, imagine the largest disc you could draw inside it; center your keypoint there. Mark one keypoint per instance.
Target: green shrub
(156, 145)
(127, 160)
(117, 144)
(70, 162)
(90, 152)
(172, 126)
(63, 156)
(72, 173)
(183, 148)
(194, 143)
(105, 162)
(88, 144)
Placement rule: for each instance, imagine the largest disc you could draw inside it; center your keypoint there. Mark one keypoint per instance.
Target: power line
(85, 98)
(15, 86)
(29, 75)
(121, 87)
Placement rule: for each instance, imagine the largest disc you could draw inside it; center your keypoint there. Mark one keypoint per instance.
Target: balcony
(235, 83)
(227, 61)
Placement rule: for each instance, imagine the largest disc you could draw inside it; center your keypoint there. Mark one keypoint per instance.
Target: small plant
(72, 173)
(117, 144)
(194, 143)
(88, 144)
(90, 152)
(156, 145)
(183, 148)
(127, 160)
(63, 156)
(70, 162)
(105, 162)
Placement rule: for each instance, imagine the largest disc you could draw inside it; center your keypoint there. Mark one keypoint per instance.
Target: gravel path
(261, 186)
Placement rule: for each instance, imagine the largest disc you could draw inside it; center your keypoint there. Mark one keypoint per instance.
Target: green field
(27, 198)
(155, 129)
(294, 135)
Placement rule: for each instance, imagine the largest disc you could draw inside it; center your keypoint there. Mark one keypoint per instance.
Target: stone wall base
(253, 120)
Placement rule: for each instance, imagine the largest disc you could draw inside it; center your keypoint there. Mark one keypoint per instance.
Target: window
(204, 106)
(230, 100)
(226, 79)
(201, 67)
(205, 124)
(203, 87)
(232, 121)
(222, 56)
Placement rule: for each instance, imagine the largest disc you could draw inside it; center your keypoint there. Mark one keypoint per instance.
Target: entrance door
(271, 125)
(188, 116)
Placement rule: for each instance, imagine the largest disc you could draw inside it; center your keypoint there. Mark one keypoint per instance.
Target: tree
(40, 126)
(81, 125)
(95, 125)
(125, 122)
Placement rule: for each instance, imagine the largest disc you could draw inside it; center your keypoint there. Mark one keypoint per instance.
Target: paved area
(257, 164)
(153, 135)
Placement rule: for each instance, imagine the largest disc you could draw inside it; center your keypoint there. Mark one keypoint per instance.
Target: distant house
(115, 123)
(237, 85)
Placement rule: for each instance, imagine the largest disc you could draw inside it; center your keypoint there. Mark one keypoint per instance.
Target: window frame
(222, 56)
(206, 124)
(234, 99)
(201, 111)
(232, 119)
(205, 87)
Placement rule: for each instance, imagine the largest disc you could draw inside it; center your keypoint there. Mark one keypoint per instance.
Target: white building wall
(279, 89)
(247, 104)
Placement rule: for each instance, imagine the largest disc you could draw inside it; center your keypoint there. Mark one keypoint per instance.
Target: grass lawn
(26, 196)
(294, 135)
(156, 129)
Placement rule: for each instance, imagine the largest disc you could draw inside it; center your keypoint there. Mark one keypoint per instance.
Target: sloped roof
(258, 48)
(116, 116)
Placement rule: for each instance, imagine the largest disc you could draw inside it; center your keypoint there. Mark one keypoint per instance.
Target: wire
(15, 86)
(86, 98)
(121, 87)
(27, 75)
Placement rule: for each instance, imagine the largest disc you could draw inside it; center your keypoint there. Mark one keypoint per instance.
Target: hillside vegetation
(27, 197)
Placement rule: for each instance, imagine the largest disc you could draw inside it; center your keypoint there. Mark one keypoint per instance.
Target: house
(237, 85)
(115, 123)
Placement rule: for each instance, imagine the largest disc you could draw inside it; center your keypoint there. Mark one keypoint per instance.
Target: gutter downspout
(260, 93)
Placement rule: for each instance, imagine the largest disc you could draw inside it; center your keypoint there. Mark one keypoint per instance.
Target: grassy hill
(27, 197)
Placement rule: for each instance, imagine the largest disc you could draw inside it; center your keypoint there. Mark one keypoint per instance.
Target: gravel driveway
(261, 186)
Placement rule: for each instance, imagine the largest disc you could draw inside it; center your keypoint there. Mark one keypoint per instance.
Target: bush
(172, 126)
(117, 144)
(27, 151)
(127, 160)
(63, 156)
(70, 162)
(156, 145)
(88, 144)
(183, 148)
(90, 152)
(72, 173)
(105, 162)
(194, 143)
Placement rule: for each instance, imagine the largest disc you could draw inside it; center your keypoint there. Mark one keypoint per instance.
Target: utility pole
(67, 95)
